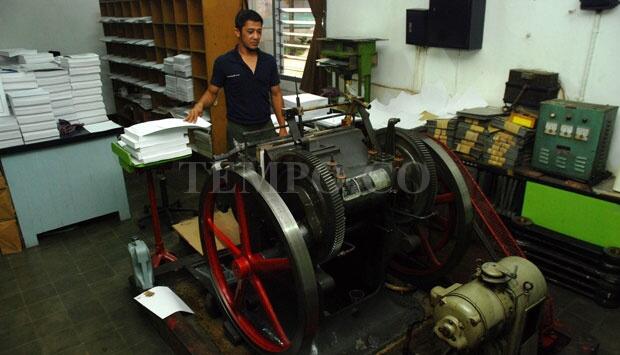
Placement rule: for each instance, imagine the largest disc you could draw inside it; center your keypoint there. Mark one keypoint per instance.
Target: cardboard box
(10, 239)
(6, 205)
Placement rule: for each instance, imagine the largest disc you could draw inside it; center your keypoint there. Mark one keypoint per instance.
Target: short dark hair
(247, 15)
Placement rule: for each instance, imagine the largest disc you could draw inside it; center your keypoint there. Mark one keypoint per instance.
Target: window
(287, 32)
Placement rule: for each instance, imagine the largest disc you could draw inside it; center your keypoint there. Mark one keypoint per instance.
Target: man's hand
(282, 132)
(196, 112)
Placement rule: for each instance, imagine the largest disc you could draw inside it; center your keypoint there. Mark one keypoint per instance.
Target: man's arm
(205, 101)
(278, 104)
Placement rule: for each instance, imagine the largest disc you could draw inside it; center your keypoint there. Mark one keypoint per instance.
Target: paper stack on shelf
(511, 146)
(169, 65)
(159, 140)
(171, 86)
(183, 65)
(58, 84)
(307, 101)
(84, 73)
(179, 82)
(10, 135)
(33, 111)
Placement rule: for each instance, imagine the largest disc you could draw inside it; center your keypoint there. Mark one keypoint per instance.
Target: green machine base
(582, 217)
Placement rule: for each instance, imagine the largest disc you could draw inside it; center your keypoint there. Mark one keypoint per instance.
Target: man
(249, 78)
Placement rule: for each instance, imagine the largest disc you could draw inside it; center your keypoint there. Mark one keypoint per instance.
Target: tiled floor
(70, 295)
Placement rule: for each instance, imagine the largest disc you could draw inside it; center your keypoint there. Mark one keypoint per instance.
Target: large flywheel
(264, 280)
(442, 236)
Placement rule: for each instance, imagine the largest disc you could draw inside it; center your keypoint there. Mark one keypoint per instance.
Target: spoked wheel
(264, 281)
(443, 236)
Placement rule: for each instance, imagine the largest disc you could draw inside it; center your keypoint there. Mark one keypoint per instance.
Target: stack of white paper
(10, 135)
(33, 111)
(58, 84)
(307, 101)
(179, 83)
(183, 65)
(13, 81)
(35, 58)
(84, 73)
(14, 52)
(169, 65)
(154, 141)
(171, 86)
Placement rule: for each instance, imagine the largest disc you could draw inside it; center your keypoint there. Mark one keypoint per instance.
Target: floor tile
(46, 307)
(11, 303)
(52, 323)
(83, 311)
(60, 340)
(17, 336)
(39, 293)
(104, 342)
(99, 273)
(32, 348)
(14, 320)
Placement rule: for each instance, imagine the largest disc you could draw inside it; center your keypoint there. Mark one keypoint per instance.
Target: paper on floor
(162, 301)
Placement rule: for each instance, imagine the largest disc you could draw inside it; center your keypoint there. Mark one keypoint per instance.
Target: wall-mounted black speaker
(417, 27)
(448, 24)
(598, 5)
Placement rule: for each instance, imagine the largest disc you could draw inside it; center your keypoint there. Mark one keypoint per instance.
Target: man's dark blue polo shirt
(247, 93)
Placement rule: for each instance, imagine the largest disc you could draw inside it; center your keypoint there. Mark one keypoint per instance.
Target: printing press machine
(334, 228)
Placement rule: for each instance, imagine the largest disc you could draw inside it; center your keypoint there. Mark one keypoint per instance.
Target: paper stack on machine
(159, 140)
(307, 101)
(442, 130)
(34, 114)
(58, 84)
(84, 72)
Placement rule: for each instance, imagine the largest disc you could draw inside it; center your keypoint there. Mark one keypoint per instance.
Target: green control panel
(573, 138)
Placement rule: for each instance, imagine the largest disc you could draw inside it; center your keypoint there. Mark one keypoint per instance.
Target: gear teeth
(430, 165)
(335, 235)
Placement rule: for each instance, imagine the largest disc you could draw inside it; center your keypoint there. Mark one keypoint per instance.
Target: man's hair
(247, 15)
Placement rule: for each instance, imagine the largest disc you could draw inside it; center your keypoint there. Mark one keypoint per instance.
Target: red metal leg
(161, 254)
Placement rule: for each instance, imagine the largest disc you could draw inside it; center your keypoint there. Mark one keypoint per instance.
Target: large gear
(328, 238)
(411, 144)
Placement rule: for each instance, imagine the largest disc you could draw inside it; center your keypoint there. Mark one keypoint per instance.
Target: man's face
(250, 34)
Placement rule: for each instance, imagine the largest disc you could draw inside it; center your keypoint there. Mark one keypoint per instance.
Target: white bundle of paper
(86, 87)
(10, 135)
(35, 58)
(159, 140)
(13, 81)
(34, 113)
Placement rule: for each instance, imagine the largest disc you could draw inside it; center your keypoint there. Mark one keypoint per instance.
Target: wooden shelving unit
(200, 28)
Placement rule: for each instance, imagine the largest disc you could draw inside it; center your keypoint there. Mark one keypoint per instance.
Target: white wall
(68, 26)
(553, 35)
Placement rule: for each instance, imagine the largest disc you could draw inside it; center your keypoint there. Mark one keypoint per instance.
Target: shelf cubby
(199, 65)
(158, 36)
(156, 11)
(167, 11)
(194, 11)
(183, 42)
(170, 36)
(196, 38)
(180, 11)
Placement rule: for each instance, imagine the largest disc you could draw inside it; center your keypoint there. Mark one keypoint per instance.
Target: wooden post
(219, 25)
